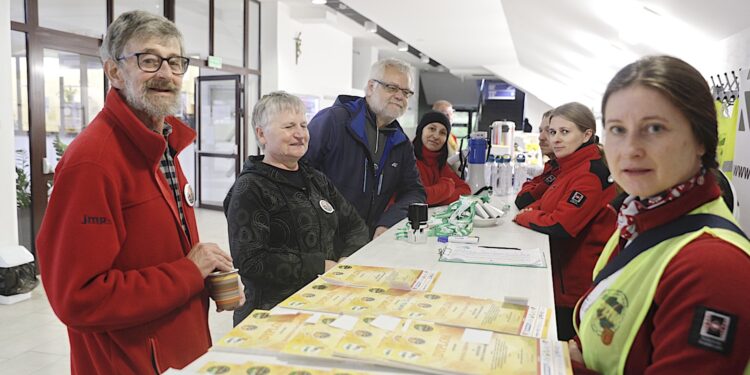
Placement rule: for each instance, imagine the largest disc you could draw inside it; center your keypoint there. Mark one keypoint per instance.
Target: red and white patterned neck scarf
(632, 205)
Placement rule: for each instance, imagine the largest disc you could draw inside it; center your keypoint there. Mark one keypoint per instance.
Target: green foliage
(23, 183)
(60, 146)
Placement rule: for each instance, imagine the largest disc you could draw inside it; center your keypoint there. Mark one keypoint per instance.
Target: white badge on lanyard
(189, 195)
(326, 206)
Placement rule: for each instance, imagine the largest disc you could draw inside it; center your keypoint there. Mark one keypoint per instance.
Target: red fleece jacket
(574, 213)
(111, 250)
(533, 189)
(442, 185)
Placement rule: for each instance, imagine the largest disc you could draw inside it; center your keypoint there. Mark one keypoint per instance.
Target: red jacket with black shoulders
(574, 212)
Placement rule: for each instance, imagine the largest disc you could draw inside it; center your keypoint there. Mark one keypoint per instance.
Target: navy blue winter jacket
(338, 148)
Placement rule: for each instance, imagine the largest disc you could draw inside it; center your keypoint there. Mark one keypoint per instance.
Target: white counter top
(533, 285)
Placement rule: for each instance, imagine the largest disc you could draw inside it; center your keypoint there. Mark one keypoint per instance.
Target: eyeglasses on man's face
(392, 89)
(151, 63)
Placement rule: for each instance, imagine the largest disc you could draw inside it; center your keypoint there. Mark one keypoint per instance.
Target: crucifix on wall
(297, 48)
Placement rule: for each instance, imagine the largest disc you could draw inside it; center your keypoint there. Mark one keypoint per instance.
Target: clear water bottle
(488, 168)
(506, 175)
(519, 173)
(495, 176)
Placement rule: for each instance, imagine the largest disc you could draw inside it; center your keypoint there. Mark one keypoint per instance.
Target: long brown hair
(684, 86)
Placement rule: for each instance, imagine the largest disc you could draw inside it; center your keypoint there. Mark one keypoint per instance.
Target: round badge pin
(189, 195)
(326, 206)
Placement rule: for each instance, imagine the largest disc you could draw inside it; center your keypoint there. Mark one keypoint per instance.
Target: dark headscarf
(427, 119)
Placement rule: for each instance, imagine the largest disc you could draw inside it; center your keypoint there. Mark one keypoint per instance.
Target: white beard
(156, 107)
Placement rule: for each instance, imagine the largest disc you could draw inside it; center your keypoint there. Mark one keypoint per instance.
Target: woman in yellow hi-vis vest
(670, 289)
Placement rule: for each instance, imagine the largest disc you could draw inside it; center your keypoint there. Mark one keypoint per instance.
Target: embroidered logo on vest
(609, 314)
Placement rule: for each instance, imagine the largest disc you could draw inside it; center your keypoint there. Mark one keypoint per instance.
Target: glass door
(218, 160)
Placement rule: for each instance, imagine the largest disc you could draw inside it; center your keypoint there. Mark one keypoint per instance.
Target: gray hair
(271, 104)
(136, 24)
(377, 70)
(441, 104)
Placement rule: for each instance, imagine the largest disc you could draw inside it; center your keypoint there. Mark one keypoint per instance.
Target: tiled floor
(34, 342)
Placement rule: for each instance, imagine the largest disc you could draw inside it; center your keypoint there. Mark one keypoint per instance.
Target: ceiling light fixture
(371, 26)
(424, 58)
(319, 2)
(403, 46)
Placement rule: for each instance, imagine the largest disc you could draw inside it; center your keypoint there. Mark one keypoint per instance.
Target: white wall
(364, 54)
(9, 228)
(325, 65)
(410, 119)
(736, 52)
(533, 109)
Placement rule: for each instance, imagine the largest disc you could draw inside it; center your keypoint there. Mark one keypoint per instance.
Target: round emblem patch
(189, 195)
(610, 309)
(326, 206)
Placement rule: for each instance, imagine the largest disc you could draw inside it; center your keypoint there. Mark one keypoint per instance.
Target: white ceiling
(557, 50)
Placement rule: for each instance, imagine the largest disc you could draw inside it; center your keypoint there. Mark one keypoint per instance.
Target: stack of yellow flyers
(258, 368)
(439, 349)
(447, 309)
(325, 297)
(361, 341)
(300, 334)
(315, 339)
(262, 332)
(383, 277)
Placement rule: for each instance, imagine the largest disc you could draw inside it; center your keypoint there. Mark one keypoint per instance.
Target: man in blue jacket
(361, 147)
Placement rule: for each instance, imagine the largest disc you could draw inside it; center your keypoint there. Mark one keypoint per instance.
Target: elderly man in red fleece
(118, 249)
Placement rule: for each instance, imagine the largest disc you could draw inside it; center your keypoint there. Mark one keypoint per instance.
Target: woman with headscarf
(441, 183)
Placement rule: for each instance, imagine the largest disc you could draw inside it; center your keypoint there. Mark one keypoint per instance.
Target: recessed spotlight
(424, 58)
(371, 26)
(403, 46)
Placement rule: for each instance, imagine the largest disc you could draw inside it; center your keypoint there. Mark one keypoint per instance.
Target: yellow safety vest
(612, 319)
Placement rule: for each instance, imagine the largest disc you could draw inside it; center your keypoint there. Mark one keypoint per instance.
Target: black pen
(499, 247)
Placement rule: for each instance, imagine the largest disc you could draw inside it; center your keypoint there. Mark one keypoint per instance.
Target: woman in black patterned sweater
(287, 222)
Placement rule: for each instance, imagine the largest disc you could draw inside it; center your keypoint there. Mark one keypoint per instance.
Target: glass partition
(153, 6)
(73, 96)
(191, 17)
(19, 84)
(17, 10)
(74, 16)
(229, 31)
(253, 36)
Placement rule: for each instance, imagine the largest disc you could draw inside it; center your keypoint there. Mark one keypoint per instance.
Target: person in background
(667, 296)
(445, 107)
(118, 249)
(360, 146)
(573, 211)
(533, 189)
(441, 184)
(287, 223)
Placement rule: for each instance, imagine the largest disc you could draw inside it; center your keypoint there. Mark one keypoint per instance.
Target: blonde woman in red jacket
(573, 210)
(441, 184)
